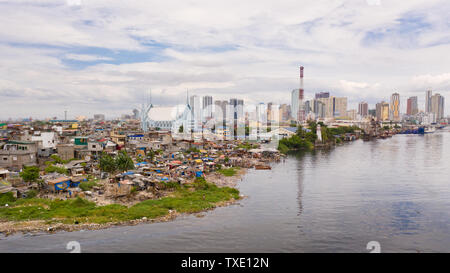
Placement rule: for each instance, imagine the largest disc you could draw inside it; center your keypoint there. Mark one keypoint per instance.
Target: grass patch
(195, 197)
(31, 194)
(229, 172)
(54, 169)
(87, 186)
(7, 198)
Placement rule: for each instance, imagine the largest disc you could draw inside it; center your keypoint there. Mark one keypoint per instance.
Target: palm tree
(124, 162)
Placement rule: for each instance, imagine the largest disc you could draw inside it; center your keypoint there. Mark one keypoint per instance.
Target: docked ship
(430, 129)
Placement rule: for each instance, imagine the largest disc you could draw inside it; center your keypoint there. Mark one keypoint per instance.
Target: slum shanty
(64, 159)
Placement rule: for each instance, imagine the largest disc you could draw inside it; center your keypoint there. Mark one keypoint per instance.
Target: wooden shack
(121, 188)
(59, 184)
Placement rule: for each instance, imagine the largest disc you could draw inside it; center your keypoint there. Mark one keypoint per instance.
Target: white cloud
(87, 58)
(442, 81)
(74, 2)
(248, 49)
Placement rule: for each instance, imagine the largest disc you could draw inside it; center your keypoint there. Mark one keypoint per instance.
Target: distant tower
(301, 108)
(301, 83)
(135, 114)
(428, 107)
(145, 109)
(65, 114)
(319, 133)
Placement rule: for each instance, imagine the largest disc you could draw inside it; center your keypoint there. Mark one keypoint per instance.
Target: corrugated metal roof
(58, 180)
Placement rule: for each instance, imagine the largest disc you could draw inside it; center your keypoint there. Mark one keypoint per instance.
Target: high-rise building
(207, 107)
(395, 107)
(270, 117)
(196, 107)
(351, 114)
(285, 112)
(334, 106)
(322, 95)
(328, 105)
(437, 106)
(261, 113)
(382, 111)
(363, 109)
(308, 107)
(340, 107)
(220, 110)
(428, 101)
(135, 114)
(412, 108)
(99, 117)
(237, 108)
(319, 109)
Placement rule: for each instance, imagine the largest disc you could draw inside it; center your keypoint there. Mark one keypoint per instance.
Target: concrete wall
(16, 159)
(66, 151)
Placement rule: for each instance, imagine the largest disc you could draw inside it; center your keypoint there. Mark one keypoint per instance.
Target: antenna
(145, 109)
(187, 96)
(150, 95)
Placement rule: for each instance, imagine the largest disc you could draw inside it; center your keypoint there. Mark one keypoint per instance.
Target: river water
(394, 191)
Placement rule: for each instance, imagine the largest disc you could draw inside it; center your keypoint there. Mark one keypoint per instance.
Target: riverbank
(43, 215)
(222, 180)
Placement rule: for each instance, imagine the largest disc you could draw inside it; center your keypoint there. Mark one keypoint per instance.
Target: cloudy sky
(103, 56)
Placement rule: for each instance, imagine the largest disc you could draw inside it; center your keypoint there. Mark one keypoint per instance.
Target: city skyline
(82, 57)
(331, 107)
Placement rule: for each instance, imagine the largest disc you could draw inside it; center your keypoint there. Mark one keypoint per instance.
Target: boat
(263, 167)
(430, 130)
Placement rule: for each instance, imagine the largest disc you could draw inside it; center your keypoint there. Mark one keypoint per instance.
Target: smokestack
(300, 93)
(301, 109)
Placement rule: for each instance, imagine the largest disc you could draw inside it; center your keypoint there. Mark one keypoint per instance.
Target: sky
(104, 56)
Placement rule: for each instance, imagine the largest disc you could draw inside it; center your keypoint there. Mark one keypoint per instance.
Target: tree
(124, 161)
(300, 132)
(53, 169)
(107, 163)
(181, 129)
(151, 155)
(29, 174)
(312, 126)
(56, 158)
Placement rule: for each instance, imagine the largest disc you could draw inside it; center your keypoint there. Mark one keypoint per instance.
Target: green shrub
(283, 148)
(171, 185)
(29, 174)
(88, 185)
(6, 198)
(204, 196)
(56, 159)
(31, 194)
(229, 171)
(193, 150)
(53, 169)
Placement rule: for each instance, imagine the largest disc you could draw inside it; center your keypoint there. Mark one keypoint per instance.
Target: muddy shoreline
(41, 226)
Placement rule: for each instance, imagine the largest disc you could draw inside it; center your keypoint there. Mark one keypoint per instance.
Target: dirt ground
(226, 181)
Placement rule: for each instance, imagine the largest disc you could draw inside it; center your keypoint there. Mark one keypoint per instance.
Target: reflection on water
(395, 191)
